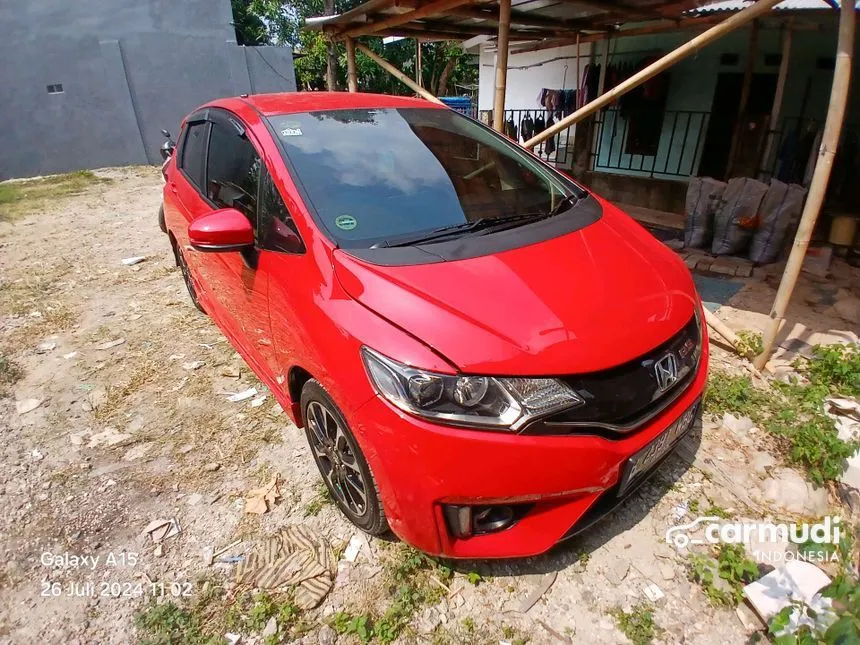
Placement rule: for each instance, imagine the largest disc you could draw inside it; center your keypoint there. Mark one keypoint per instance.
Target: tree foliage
(444, 64)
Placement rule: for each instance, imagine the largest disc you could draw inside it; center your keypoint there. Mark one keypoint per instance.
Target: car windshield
(377, 177)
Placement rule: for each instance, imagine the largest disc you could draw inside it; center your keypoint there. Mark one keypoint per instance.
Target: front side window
(192, 161)
(376, 177)
(233, 170)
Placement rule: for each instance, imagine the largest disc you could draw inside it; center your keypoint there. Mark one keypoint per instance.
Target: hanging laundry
(549, 144)
(527, 127)
(511, 128)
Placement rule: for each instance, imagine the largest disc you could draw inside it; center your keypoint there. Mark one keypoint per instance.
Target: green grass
(414, 581)
(21, 197)
(794, 412)
(638, 624)
(723, 578)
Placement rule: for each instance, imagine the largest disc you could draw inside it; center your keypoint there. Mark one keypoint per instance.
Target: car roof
(292, 102)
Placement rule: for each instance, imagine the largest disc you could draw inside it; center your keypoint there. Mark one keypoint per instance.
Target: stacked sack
(743, 213)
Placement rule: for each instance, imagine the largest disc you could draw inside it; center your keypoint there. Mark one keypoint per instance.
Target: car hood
(581, 302)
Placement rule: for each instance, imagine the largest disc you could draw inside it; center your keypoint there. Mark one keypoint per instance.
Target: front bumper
(420, 467)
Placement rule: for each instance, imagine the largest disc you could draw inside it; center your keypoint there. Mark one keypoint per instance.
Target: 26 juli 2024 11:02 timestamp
(122, 562)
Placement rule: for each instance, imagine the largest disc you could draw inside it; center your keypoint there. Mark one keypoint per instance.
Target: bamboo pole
(396, 73)
(777, 96)
(352, 75)
(502, 65)
(419, 76)
(820, 177)
(730, 24)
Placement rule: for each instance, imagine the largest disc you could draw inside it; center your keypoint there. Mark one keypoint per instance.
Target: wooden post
(502, 65)
(351, 74)
(752, 51)
(419, 76)
(773, 121)
(396, 73)
(687, 49)
(820, 177)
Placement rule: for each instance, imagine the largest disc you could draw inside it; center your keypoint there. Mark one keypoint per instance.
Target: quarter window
(194, 152)
(233, 170)
(278, 231)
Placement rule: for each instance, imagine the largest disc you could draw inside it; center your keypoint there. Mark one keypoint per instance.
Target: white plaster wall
(542, 69)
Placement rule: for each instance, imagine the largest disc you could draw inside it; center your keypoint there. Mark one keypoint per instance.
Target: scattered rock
(271, 628)
(27, 405)
(851, 476)
(70, 355)
(136, 452)
(108, 437)
(111, 343)
(185, 449)
(848, 309)
(326, 635)
(739, 426)
(761, 461)
(46, 347)
(97, 397)
(211, 467)
(193, 365)
(789, 491)
(194, 499)
(667, 571)
(77, 438)
(617, 571)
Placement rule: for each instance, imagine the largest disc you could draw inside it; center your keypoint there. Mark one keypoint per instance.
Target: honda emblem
(666, 370)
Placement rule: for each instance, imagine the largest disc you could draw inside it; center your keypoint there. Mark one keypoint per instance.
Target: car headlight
(481, 401)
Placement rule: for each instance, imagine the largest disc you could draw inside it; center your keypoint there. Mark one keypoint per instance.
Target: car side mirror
(221, 231)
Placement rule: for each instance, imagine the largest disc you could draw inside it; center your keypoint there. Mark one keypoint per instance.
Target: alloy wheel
(336, 459)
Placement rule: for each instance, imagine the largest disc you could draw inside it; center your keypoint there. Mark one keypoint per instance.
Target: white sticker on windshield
(291, 132)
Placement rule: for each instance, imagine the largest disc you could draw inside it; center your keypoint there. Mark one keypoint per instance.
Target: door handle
(173, 186)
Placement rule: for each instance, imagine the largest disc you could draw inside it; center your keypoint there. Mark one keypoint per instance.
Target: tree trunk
(442, 88)
(331, 54)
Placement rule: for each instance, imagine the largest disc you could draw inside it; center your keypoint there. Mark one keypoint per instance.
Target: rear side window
(194, 152)
(233, 170)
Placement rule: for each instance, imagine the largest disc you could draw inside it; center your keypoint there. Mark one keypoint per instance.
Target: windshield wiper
(484, 223)
(568, 201)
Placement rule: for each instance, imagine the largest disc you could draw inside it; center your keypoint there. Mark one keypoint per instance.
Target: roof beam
(462, 32)
(517, 18)
(433, 8)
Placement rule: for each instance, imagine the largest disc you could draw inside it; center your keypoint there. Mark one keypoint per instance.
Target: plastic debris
(352, 549)
(27, 405)
(242, 396)
(111, 343)
(35, 454)
(159, 530)
(796, 581)
(70, 355)
(137, 259)
(652, 592)
(256, 403)
(680, 510)
(261, 500)
(232, 639)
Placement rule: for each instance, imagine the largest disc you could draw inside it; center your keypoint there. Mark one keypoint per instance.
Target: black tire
(161, 223)
(340, 461)
(186, 275)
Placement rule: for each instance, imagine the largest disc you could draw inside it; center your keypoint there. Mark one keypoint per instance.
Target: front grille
(620, 399)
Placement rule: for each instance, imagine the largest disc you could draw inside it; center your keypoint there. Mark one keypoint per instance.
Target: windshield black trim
(587, 211)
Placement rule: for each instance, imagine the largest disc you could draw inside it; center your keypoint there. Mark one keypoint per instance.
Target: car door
(236, 282)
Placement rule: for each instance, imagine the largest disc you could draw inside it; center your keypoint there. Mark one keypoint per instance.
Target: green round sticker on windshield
(346, 222)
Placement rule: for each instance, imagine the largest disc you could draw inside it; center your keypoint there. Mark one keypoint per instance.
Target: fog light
(466, 521)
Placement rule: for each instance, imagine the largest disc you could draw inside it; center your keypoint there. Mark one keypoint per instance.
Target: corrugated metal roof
(737, 5)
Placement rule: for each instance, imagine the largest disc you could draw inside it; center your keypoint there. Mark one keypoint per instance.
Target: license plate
(647, 458)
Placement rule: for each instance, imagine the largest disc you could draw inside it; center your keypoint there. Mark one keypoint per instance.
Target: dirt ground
(134, 424)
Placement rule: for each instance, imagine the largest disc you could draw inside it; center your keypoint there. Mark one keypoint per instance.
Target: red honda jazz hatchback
(485, 356)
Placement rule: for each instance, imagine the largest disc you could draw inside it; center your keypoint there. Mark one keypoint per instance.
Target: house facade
(687, 122)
